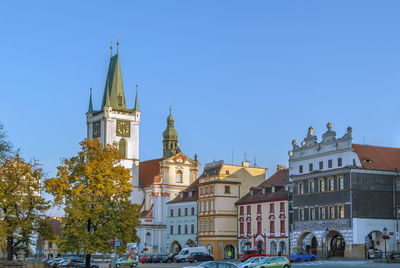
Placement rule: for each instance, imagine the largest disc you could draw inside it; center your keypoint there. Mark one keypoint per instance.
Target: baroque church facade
(155, 182)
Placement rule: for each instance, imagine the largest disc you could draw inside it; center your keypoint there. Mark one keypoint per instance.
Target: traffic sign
(117, 244)
(366, 238)
(397, 236)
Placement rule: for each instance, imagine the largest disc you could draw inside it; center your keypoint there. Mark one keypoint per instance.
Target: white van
(185, 252)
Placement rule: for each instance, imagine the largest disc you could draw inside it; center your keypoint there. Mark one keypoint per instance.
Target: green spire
(114, 89)
(90, 110)
(136, 101)
(170, 138)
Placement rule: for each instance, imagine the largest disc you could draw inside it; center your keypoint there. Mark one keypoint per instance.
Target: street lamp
(385, 237)
(326, 242)
(116, 209)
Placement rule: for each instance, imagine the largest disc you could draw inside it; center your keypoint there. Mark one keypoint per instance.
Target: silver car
(215, 264)
(251, 261)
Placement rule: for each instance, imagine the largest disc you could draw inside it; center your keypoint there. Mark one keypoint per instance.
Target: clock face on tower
(123, 128)
(96, 129)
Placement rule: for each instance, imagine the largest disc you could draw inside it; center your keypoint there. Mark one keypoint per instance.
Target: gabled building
(263, 216)
(220, 186)
(345, 196)
(182, 219)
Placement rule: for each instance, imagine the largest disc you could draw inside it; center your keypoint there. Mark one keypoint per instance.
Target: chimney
(280, 167)
(245, 163)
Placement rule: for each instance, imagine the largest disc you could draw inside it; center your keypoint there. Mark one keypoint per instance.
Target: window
(398, 185)
(282, 226)
(248, 210)
(171, 229)
(271, 208)
(211, 189)
(341, 183)
(186, 211)
(312, 213)
(50, 245)
(241, 211)
(212, 205)
(341, 212)
(227, 189)
(207, 206)
(206, 225)
(300, 188)
(258, 209)
(178, 176)
(321, 165)
(241, 228)
(192, 211)
(321, 213)
(122, 148)
(179, 212)
(331, 212)
(331, 185)
(310, 167)
(148, 238)
(259, 227)
(272, 227)
(330, 163)
(301, 169)
(179, 229)
(339, 162)
(301, 214)
(201, 190)
(201, 226)
(249, 227)
(282, 206)
(227, 172)
(192, 228)
(172, 212)
(311, 186)
(211, 226)
(206, 190)
(321, 185)
(186, 229)
(202, 206)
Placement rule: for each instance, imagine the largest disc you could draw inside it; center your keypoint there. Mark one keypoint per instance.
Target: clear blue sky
(247, 76)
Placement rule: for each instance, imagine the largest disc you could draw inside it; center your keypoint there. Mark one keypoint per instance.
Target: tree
(21, 205)
(6, 148)
(90, 186)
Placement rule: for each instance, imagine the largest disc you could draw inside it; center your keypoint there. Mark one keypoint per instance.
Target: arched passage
(376, 244)
(282, 247)
(175, 247)
(260, 246)
(190, 243)
(307, 241)
(274, 248)
(336, 244)
(227, 249)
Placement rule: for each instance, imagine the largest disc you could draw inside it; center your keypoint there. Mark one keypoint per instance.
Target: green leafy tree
(21, 205)
(90, 186)
(6, 148)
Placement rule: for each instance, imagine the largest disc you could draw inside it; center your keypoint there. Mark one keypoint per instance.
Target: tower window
(122, 148)
(119, 100)
(179, 176)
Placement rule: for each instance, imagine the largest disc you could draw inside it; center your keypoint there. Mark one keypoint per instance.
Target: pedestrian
(229, 254)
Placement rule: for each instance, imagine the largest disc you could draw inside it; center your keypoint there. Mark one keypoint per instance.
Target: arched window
(179, 176)
(148, 238)
(282, 247)
(273, 248)
(122, 148)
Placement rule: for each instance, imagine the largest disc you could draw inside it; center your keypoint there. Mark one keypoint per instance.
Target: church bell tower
(114, 122)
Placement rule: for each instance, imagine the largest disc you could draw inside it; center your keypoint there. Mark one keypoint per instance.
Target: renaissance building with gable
(346, 199)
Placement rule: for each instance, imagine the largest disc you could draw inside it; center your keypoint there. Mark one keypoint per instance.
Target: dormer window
(227, 172)
(119, 98)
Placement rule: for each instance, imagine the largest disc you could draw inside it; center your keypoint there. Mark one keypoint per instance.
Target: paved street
(325, 264)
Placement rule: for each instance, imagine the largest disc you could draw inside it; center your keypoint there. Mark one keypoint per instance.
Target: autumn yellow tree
(91, 186)
(21, 205)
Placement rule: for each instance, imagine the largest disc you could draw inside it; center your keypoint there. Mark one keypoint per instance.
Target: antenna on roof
(245, 157)
(255, 162)
(110, 48)
(117, 44)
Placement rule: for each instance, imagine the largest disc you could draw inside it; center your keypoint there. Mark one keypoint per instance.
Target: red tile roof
(378, 158)
(278, 179)
(148, 170)
(191, 188)
(147, 213)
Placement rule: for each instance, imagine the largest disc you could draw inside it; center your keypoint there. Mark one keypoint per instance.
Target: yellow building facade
(220, 186)
(263, 216)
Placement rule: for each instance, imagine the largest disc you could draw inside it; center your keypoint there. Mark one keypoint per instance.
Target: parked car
(302, 255)
(169, 258)
(199, 256)
(215, 264)
(395, 256)
(247, 254)
(146, 259)
(125, 262)
(157, 258)
(185, 252)
(250, 262)
(275, 262)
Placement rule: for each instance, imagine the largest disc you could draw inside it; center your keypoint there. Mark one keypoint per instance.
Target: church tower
(114, 122)
(170, 138)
